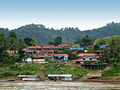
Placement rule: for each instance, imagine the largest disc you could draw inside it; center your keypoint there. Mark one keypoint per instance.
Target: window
(90, 58)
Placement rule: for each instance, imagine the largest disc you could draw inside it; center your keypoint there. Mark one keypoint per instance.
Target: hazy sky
(84, 14)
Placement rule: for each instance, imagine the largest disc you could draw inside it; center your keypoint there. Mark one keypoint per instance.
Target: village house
(60, 58)
(60, 77)
(50, 47)
(32, 49)
(88, 61)
(12, 52)
(64, 45)
(76, 50)
(28, 77)
(40, 57)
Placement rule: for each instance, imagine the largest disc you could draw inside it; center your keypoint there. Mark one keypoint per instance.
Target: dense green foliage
(84, 41)
(56, 42)
(27, 41)
(64, 69)
(105, 40)
(42, 70)
(11, 44)
(111, 72)
(111, 55)
(69, 35)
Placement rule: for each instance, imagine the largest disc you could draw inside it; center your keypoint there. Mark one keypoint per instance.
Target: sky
(84, 14)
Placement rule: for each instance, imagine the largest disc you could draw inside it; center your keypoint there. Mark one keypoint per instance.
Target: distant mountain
(69, 35)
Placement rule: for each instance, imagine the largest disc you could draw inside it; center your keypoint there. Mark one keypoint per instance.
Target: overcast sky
(84, 14)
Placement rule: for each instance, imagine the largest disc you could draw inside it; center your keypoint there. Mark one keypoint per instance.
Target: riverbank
(10, 72)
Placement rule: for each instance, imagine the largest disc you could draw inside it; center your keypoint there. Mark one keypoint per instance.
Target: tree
(96, 46)
(57, 41)
(3, 42)
(77, 41)
(13, 35)
(112, 54)
(85, 41)
(27, 41)
(34, 42)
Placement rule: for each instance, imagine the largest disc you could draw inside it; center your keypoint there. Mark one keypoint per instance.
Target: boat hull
(105, 81)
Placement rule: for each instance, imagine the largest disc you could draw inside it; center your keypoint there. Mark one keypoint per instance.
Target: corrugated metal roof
(60, 54)
(85, 54)
(72, 48)
(28, 76)
(48, 46)
(59, 75)
(64, 45)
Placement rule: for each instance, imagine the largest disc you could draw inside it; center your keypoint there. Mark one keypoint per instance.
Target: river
(58, 86)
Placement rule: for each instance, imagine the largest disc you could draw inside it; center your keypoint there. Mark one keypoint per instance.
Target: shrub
(15, 67)
(111, 72)
(25, 73)
(7, 74)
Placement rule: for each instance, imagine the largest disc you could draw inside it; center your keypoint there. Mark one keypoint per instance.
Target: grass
(43, 70)
(64, 69)
(111, 73)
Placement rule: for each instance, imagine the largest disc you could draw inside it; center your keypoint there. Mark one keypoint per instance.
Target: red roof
(97, 56)
(33, 47)
(48, 46)
(25, 49)
(64, 45)
(10, 51)
(84, 54)
(46, 51)
(60, 55)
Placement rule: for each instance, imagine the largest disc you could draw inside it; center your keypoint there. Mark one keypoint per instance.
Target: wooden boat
(7, 79)
(100, 80)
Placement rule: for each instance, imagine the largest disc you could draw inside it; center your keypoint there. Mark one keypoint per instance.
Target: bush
(1, 76)
(7, 74)
(66, 69)
(15, 67)
(32, 67)
(25, 73)
(111, 72)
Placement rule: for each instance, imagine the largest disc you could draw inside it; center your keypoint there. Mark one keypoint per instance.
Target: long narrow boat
(99, 80)
(7, 79)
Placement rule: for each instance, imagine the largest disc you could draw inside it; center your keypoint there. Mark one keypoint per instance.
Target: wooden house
(76, 50)
(89, 61)
(60, 58)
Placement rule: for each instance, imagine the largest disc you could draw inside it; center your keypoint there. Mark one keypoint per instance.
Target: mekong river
(58, 86)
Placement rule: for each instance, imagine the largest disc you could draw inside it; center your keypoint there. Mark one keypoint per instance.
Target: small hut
(28, 77)
(61, 77)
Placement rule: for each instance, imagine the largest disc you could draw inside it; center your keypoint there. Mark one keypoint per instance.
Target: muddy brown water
(58, 86)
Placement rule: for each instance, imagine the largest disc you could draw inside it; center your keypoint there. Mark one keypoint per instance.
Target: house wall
(88, 59)
(68, 78)
(31, 79)
(27, 60)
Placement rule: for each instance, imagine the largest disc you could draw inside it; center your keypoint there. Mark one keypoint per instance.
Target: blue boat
(7, 79)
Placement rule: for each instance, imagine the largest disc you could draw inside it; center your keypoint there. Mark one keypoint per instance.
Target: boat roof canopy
(59, 75)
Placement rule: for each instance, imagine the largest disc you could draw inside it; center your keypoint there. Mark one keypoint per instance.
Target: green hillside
(69, 35)
(106, 39)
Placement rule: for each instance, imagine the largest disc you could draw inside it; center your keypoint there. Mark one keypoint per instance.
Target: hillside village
(50, 54)
(46, 54)
(25, 60)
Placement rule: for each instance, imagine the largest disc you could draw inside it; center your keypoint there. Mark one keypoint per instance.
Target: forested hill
(43, 34)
